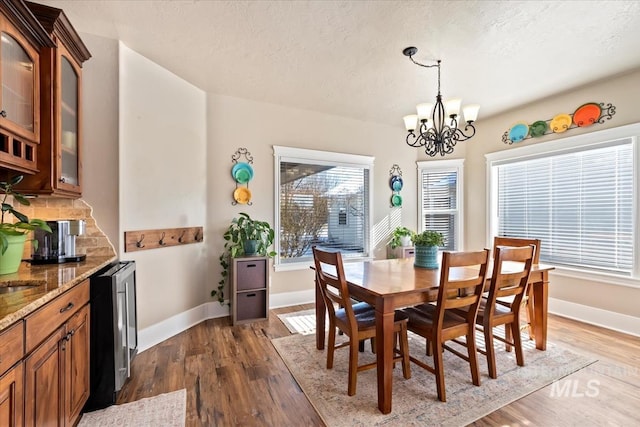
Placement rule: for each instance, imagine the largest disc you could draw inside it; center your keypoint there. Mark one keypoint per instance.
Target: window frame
(291, 154)
(450, 165)
(571, 144)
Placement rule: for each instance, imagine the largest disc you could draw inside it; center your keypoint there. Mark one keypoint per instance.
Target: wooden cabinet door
(44, 382)
(11, 397)
(76, 354)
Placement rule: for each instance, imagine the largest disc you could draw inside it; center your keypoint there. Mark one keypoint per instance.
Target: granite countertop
(52, 280)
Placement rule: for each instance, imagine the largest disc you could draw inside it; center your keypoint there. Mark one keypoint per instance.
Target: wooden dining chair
(437, 323)
(505, 283)
(356, 321)
(527, 300)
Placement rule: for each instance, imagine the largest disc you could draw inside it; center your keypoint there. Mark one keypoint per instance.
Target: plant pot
(426, 257)
(405, 241)
(251, 247)
(10, 260)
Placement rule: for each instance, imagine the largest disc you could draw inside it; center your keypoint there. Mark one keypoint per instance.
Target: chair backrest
(462, 279)
(511, 281)
(518, 242)
(331, 279)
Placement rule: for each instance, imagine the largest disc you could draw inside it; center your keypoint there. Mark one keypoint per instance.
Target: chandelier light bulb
(410, 122)
(470, 112)
(424, 111)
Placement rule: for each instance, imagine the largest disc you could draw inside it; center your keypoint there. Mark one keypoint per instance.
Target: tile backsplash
(94, 242)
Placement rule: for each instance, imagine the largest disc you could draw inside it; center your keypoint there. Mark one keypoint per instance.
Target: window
(323, 199)
(441, 200)
(579, 197)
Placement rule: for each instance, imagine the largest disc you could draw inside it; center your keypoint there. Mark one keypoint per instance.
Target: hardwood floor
(234, 377)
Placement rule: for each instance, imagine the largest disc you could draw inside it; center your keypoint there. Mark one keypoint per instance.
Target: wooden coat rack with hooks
(141, 240)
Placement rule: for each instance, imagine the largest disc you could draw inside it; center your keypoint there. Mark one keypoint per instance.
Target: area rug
(415, 401)
(167, 410)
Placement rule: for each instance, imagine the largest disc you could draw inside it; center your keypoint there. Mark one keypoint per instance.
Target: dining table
(391, 284)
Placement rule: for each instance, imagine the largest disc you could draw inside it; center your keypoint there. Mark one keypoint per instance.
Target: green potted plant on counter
(13, 235)
(401, 237)
(245, 236)
(426, 248)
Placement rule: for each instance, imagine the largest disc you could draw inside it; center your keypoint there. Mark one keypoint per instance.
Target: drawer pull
(251, 265)
(251, 295)
(67, 308)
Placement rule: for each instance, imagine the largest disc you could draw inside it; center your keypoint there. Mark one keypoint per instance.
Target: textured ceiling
(345, 57)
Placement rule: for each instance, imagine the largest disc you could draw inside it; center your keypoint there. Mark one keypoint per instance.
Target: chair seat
(366, 318)
(421, 317)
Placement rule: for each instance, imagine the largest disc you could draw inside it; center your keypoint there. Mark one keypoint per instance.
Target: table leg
(384, 352)
(320, 317)
(540, 305)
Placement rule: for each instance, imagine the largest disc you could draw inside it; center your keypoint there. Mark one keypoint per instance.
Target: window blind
(580, 204)
(440, 204)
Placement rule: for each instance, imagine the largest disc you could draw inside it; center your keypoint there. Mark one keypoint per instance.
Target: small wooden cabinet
(11, 397)
(249, 289)
(60, 161)
(57, 370)
(22, 40)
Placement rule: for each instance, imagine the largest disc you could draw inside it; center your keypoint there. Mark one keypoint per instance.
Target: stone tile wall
(94, 242)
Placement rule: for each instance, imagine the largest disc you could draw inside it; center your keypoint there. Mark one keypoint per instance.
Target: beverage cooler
(114, 334)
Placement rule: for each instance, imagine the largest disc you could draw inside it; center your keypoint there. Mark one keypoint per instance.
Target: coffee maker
(60, 245)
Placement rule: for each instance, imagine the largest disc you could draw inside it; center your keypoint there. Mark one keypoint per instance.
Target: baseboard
(286, 299)
(596, 316)
(155, 334)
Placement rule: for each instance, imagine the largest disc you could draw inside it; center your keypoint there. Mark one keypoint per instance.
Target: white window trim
(444, 165)
(559, 146)
(290, 154)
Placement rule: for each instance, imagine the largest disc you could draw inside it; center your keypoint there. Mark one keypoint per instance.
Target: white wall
(163, 182)
(234, 123)
(623, 92)
(100, 133)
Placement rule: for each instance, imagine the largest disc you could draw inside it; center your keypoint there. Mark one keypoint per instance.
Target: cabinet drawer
(251, 274)
(251, 305)
(46, 319)
(12, 347)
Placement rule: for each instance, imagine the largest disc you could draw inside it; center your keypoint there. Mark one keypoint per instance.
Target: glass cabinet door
(18, 80)
(69, 123)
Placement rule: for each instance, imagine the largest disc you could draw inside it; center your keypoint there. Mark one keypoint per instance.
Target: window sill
(596, 276)
(307, 265)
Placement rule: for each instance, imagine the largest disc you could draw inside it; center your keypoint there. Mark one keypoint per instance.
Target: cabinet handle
(62, 180)
(67, 308)
(251, 295)
(3, 113)
(251, 265)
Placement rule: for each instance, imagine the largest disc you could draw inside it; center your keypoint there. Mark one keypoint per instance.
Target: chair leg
(473, 356)
(530, 312)
(491, 352)
(429, 349)
(353, 367)
(439, 370)
(404, 349)
(517, 342)
(331, 346)
(507, 336)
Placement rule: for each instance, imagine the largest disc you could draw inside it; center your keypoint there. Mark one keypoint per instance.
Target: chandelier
(437, 125)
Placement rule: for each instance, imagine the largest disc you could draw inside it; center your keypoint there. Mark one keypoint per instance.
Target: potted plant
(13, 235)
(245, 236)
(426, 248)
(401, 237)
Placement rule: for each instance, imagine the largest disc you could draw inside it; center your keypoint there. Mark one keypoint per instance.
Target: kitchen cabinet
(59, 154)
(11, 377)
(11, 397)
(57, 370)
(22, 40)
(249, 289)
